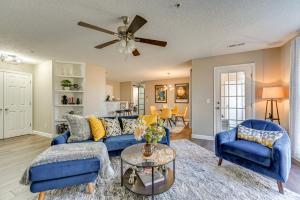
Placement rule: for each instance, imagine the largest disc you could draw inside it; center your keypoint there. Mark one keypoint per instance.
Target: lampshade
(272, 93)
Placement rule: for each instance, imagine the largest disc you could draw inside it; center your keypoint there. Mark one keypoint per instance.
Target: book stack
(146, 177)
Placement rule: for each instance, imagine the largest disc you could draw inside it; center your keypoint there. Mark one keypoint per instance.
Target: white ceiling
(46, 29)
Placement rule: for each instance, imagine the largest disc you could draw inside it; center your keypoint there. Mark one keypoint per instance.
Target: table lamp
(272, 94)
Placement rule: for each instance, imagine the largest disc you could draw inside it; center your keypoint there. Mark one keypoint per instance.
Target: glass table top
(162, 155)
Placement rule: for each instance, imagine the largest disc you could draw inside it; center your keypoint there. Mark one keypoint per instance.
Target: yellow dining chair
(175, 110)
(181, 116)
(166, 115)
(153, 111)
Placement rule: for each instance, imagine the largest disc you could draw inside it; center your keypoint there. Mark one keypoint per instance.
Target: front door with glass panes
(233, 95)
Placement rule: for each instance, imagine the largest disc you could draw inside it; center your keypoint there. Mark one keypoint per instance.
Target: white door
(17, 104)
(1, 107)
(233, 95)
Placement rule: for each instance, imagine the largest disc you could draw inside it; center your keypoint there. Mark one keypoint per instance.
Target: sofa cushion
(63, 169)
(79, 128)
(97, 128)
(129, 125)
(249, 150)
(119, 142)
(266, 138)
(112, 127)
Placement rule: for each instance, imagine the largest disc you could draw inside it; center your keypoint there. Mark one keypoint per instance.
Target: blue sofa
(114, 144)
(274, 163)
(63, 174)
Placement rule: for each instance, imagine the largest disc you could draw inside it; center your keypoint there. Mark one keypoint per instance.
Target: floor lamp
(272, 94)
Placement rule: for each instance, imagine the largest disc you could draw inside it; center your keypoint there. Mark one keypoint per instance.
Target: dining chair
(166, 115)
(181, 116)
(175, 110)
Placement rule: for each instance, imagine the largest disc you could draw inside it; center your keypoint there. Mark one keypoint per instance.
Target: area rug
(176, 129)
(197, 177)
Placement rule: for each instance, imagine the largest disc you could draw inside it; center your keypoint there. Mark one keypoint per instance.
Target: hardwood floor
(16, 154)
(294, 178)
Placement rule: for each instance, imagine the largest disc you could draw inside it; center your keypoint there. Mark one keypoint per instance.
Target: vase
(148, 149)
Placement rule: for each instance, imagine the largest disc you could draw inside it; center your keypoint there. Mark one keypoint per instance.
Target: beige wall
(285, 79)
(95, 90)
(126, 91)
(150, 93)
(268, 72)
(42, 98)
(116, 87)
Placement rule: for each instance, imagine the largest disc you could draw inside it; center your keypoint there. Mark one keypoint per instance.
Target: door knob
(6, 109)
(217, 108)
(1, 109)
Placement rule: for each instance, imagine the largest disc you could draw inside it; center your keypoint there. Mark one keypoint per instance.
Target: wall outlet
(208, 100)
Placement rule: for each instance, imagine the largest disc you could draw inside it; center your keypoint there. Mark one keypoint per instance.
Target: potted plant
(66, 84)
(152, 135)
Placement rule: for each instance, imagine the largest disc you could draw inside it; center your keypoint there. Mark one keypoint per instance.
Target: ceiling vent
(236, 45)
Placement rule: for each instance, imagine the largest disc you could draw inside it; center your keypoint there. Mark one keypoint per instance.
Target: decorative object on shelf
(152, 134)
(272, 94)
(160, 94)
(78, 101)
(107, 98)
(182, 93)
(71, 100)
(76, 86)
(64, 100)
(66, 84)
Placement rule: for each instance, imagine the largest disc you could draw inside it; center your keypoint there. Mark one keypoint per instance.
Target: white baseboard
(203, 137)
(49, 135)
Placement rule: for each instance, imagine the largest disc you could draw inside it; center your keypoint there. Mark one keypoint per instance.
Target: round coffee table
(158, 162)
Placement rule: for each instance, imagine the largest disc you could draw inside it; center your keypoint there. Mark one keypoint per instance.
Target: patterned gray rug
(197, 177)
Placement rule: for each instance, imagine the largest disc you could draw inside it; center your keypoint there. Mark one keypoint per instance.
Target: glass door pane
(232, 99)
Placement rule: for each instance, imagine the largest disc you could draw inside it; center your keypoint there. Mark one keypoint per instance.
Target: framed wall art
(160, 94)
(182, 93)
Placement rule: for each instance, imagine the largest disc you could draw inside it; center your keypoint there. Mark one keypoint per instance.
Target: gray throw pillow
(129, 125)
(79, 128)
(112, 127)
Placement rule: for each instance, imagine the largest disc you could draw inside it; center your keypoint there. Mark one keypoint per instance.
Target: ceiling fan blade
(90, 26)
(153, 42)
(100, 46)
(135, 52)
(136, 24)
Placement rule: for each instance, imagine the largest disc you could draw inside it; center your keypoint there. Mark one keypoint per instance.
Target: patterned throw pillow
(129, 125)
(266, 138)
(112, 127)
(79, 128)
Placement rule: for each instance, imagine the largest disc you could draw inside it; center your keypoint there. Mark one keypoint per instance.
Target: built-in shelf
(61, 120)
(69, 105)
(70, 91)
(69, 76)
(75, 73)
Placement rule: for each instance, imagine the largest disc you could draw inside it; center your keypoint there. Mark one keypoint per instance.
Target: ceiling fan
(125, 35)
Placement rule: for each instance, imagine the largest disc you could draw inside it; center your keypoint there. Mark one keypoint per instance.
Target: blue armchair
(274, 163)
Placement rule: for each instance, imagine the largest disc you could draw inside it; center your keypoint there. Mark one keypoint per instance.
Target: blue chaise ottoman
(63, 174)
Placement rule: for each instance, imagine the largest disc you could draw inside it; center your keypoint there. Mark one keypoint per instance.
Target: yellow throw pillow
(97, 128)
(149, 119)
